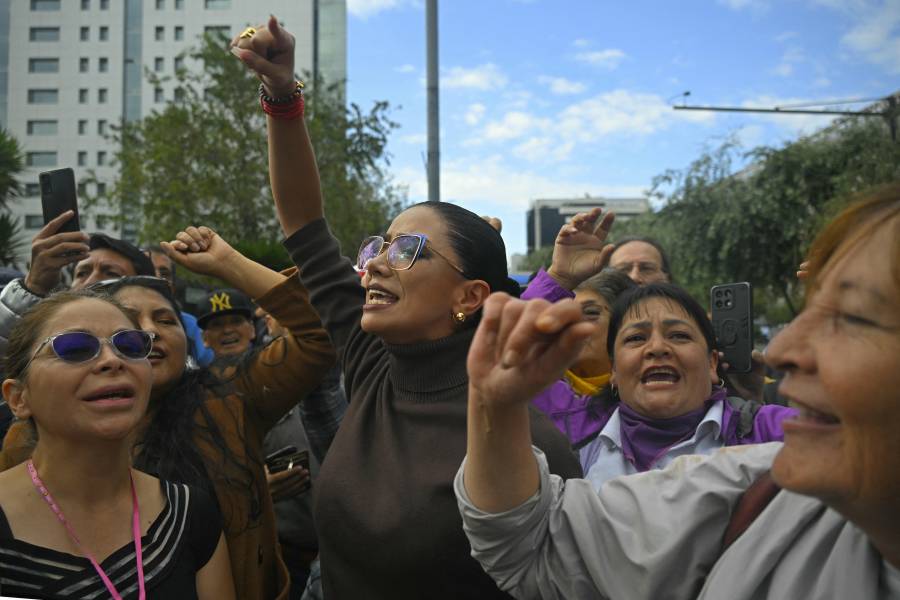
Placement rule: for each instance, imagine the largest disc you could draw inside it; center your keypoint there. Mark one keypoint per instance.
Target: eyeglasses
(80, 346)
(402, 251)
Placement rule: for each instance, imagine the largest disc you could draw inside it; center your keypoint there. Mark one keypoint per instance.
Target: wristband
(285, 107)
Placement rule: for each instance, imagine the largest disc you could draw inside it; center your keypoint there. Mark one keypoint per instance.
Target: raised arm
(581, 250)
(269, 52)
(519, 349)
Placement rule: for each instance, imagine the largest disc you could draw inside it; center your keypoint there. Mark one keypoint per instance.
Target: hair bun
(512, 287)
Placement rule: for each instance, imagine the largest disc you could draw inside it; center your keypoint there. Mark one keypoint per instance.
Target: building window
(34, 221)
(42, 127)
(82, 126)
(43, 96)
(104, 4)
(179, 94)
(82, 158)
(102, 95)
(101, 158)
(158, 64)
(217, 4)
(85, 4)
(43, 34)
(43, 65)
(160, 4)
(33, 189)
(103, 65)
(159, 33)
(179, 4)
(83, 64)
(101, 127)
(179, 33)
(45, 5)
(217, 31)
(104, 33)
(82, 189)
(101, 189)
(179, 63)
(158, 95)
(85, 34)
(82, 96)
(40, 159)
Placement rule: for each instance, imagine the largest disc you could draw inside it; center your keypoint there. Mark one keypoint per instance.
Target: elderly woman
(649, 392)
(832, 532)
(76, 520)
(385, 511)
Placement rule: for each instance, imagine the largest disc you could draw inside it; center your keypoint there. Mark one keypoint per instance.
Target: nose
(379, 265)
(656, 346)
(635, 274)
(108, 360)
(791, 349)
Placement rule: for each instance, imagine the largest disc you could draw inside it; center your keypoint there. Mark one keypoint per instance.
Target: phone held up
(732, 320)
(287, 458)
(58, 196)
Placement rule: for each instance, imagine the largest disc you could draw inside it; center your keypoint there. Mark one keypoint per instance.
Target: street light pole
(434, 132)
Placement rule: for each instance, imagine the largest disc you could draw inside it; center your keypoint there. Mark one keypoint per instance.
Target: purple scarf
(645, 439)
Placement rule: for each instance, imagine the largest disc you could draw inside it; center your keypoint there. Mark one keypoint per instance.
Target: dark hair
(25, 333)
(633, 298)
(169, 446)
(157, 249)
(481, 251)
(111, 287)
(609, 284)
(142, 265)
(647, 240)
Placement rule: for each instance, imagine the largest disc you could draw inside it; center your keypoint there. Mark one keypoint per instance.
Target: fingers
(605, 255)
(193, 239)
(53, 226)
(604, 225)
(803, 271)
(484, 344)
(538, 325)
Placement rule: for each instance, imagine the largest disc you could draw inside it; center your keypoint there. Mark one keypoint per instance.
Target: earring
(460, 317)
(614, 392)
(721, 382)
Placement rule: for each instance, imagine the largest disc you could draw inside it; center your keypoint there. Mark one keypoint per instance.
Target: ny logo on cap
(220, 301)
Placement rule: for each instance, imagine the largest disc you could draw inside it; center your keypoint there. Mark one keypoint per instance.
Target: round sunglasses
(80, 346)
(402, 251)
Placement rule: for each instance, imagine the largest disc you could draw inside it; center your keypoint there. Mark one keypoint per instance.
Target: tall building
(546, 216)
(70, 69)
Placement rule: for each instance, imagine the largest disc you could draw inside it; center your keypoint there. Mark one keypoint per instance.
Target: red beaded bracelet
(287, 108)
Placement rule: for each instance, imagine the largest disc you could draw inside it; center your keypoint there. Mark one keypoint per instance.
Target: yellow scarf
(587, 386)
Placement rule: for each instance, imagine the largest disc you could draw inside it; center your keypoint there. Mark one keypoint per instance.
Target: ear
(471, 296)
(714, 367)
(205, 339)
(612, 375)
(14, 394)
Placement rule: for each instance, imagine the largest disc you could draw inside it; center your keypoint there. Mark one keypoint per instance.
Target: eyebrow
(666, 323)
(853, 286)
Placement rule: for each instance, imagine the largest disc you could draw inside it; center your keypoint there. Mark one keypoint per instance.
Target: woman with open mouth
(385, 513)
(822, 525)
(76, 520)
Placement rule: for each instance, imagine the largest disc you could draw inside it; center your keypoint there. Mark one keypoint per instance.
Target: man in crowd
(642, 259)
(227, 324)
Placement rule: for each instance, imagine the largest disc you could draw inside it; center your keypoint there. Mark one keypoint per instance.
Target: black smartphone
(732, 319)
(287, 450)
(283, 463)
(58, 196)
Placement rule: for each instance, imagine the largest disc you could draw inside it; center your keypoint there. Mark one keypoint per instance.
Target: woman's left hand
(522, 346)
(269, 52)
(201, 250)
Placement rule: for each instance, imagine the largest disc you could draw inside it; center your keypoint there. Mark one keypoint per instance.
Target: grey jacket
(15, 301)
(659, 534)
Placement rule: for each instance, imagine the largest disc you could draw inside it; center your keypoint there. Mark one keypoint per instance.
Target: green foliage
(756, 224)
(202, 160)
(537, 259)
(11, 165)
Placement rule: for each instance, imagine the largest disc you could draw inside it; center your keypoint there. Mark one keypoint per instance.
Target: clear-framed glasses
(402, 251)
(81, 346)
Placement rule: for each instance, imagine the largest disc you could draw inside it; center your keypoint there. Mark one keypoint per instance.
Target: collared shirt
(603, 458)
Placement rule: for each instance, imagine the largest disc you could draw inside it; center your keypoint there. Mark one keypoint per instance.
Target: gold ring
(248, 33)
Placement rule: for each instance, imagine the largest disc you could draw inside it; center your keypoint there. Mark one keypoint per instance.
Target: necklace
(136, 527)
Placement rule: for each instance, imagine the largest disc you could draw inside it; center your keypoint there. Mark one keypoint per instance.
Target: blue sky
(559, 98)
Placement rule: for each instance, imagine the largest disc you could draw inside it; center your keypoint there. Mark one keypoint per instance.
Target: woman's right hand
(201, 250)
(269, 52)
(581, 250)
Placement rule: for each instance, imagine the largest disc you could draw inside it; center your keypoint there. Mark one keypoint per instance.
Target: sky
(562, 98)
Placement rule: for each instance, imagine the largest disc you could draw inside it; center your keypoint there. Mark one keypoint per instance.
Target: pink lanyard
(136, 526)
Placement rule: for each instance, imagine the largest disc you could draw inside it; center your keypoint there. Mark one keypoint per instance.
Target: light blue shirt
(603, 458)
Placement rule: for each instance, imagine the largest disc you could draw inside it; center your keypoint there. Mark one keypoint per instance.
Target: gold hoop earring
(460, 317)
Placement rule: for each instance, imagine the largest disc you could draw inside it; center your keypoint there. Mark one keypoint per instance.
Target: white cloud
(562, 86)
(514, 124)
(405, 69)
(822, 82)
(483, 77)
(794, 124)
(784, 70)
(581, 43)
(364, 9)
(877, 36)
(474, 114)
(787, 35)
(544, 148)
(608, 59)
(742, 4)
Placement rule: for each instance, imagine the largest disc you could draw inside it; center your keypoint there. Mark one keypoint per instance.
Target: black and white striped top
(179, 542)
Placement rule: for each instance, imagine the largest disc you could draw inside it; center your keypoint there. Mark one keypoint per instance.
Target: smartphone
(58, 196)
(283, 463)
(287, 450)
(732, 319)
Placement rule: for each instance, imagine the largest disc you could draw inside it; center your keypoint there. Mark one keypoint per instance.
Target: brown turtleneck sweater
(385, 513)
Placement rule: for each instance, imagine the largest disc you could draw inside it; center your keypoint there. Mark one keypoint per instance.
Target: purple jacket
(581, 418)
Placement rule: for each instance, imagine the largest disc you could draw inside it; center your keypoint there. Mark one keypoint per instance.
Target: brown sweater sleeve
(17, 445)
(284, 372)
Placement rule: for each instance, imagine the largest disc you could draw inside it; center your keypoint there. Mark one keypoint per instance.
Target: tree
(203, 160)
(11, 165)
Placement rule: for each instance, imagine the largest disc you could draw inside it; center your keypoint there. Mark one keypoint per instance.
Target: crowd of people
(412, 424)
